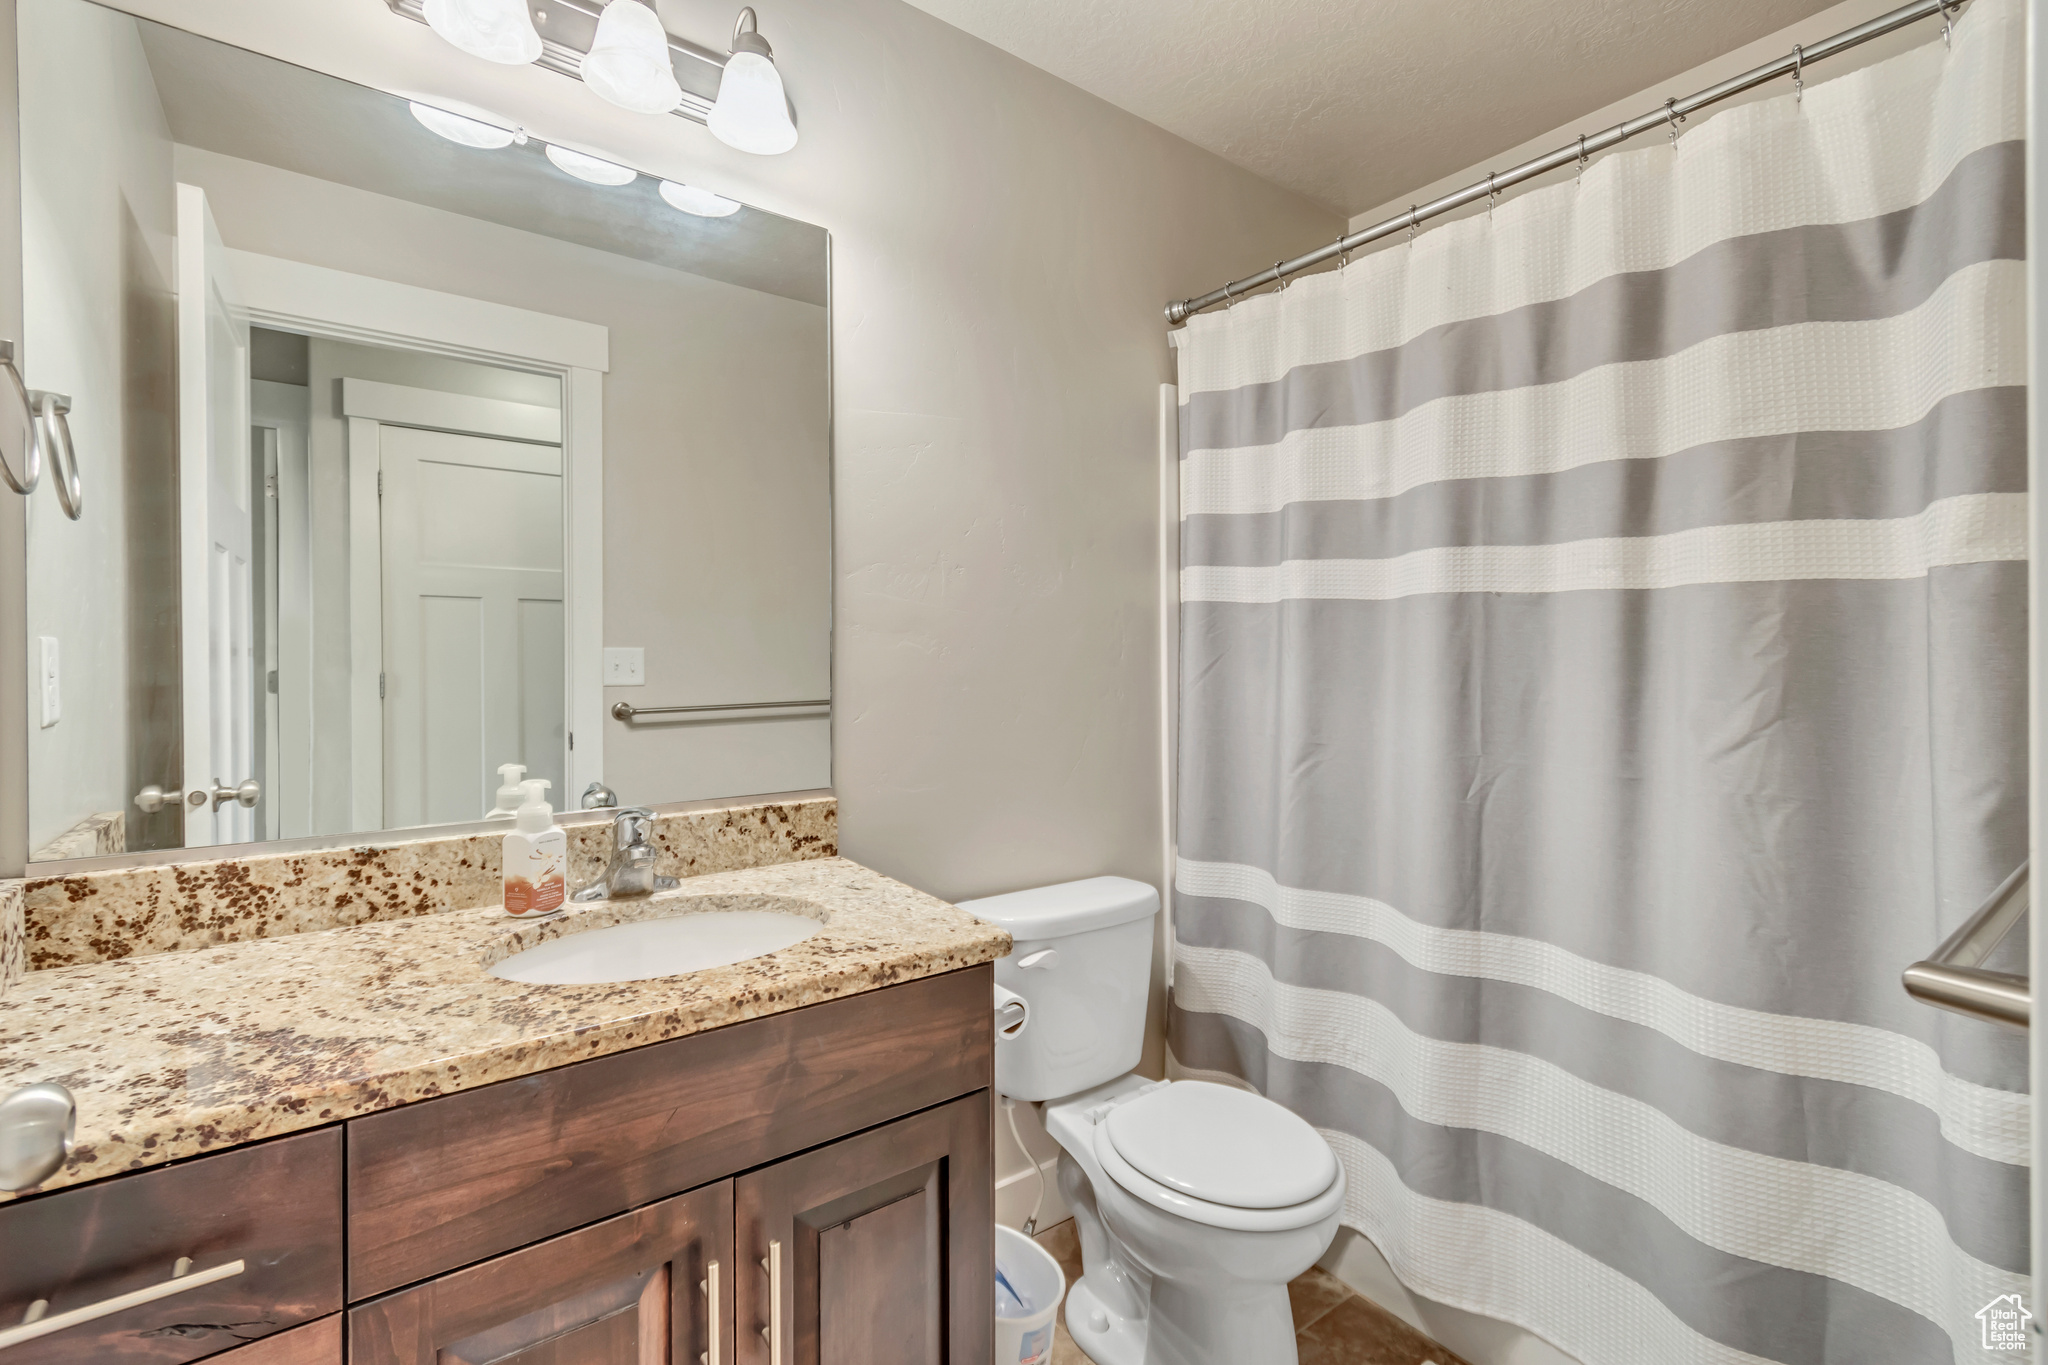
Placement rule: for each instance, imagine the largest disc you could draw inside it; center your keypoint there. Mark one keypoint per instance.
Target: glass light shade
(703, 203)
(496, 30)
(595, 169)
(628, 62)
(467, 131)
(752, 113)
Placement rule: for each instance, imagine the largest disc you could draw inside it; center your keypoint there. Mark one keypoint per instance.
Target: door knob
(246, 795)
(152, 799)
(37, 1125)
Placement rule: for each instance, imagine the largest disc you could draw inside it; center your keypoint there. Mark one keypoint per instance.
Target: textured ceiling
(1355, 103)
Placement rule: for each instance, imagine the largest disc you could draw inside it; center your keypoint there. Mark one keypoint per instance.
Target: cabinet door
(876, 1250)
(651, 1287)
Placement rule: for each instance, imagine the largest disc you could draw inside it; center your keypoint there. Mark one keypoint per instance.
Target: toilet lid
(1222, 1145)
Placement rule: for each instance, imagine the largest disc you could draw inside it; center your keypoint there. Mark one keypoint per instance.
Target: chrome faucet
(631, 869)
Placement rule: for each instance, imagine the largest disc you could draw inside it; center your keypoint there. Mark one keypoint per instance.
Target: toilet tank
(1087, 997)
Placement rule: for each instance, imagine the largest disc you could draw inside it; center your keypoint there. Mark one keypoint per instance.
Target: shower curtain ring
(1948, 22)
(1676, 118)
(1798, 74)
(1582, 160)
(1285, 280)
(1414, 212)
(1228, 302)
(1491, 195)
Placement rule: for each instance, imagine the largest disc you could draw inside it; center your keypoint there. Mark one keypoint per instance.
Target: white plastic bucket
(1036, 1277)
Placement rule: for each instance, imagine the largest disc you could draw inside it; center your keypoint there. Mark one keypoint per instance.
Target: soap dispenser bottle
(510, 793)
(536, 857)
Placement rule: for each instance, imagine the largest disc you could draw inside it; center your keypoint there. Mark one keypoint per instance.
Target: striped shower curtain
(1603, 671)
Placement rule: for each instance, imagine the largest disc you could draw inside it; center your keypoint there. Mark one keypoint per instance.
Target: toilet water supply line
(1010, 1112)
(1669, 115)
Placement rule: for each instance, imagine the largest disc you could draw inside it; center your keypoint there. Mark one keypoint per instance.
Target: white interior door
(216, 543)
(473, 619)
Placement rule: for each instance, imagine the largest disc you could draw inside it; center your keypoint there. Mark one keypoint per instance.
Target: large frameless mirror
(407, 448)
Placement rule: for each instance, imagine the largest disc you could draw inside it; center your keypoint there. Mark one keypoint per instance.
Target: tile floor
(1332, 1325)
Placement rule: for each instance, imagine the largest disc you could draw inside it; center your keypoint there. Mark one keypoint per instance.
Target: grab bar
(1955, 979)
(626, 710)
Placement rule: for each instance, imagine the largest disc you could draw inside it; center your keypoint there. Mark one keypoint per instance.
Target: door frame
(340, 306)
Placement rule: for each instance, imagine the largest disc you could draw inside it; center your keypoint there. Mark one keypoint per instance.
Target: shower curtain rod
(1670, 114)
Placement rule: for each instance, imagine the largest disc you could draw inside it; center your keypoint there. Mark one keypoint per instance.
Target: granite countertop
(185, 1052)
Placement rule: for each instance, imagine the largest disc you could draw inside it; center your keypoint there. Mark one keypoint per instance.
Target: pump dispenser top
(535, 814)
(510, 792)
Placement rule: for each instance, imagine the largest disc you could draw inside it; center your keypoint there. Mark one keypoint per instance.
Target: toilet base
(1116, 1341)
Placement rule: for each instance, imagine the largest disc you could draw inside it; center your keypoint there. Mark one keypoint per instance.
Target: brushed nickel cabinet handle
(709, 1285)
(36, 1325)
(773, 1331)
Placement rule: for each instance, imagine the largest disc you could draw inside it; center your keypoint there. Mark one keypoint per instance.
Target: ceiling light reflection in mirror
(467, 131)
(594, 169)
(701, 202)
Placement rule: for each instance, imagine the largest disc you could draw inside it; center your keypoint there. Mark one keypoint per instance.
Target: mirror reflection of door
(471, 540)
(217, 549)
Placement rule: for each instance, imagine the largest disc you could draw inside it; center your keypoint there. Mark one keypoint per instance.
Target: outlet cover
(50, 681)
(625, 667)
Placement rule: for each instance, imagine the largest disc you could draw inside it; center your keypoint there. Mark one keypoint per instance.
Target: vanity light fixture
(628, 61)
(702, 202)
(595, 169)
(467, 131)
(496, 30)
(752, 112)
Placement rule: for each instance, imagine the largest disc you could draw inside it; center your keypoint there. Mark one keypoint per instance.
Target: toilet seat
(1225, 1158)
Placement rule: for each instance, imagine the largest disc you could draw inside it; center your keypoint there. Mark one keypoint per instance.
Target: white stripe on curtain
(1971, 528)
(1989, 1122)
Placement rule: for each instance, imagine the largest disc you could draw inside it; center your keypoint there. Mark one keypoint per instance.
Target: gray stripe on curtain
(1799, 1118)
(1846, 272)
(1780, 1314)
(1698, 755)
(1972, 442)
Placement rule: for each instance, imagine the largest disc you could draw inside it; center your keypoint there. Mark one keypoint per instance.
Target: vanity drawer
(275, 1206)
(450, 1181)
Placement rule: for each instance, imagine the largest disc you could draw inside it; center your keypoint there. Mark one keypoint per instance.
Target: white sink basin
(643, 949)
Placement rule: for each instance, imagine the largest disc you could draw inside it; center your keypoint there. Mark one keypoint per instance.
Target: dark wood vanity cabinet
(633, 1209)
(274, 1208)
(875, 1250)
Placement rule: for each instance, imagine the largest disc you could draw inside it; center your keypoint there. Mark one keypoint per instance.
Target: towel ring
(53, 421)
(25, 481)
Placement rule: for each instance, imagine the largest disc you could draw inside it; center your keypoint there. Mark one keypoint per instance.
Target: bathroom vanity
(783, 1160)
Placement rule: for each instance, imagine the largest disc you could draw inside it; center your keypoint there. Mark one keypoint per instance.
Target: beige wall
(717, 524)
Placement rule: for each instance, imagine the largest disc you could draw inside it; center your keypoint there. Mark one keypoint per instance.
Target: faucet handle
(630, 826)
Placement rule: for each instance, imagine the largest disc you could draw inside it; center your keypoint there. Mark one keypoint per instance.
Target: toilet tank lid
(1068, 908)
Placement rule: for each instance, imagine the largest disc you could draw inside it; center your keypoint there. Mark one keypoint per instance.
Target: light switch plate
(50, 681)
(625, 667)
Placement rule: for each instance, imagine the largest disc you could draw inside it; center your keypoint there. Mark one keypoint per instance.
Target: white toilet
(1196, 1203)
